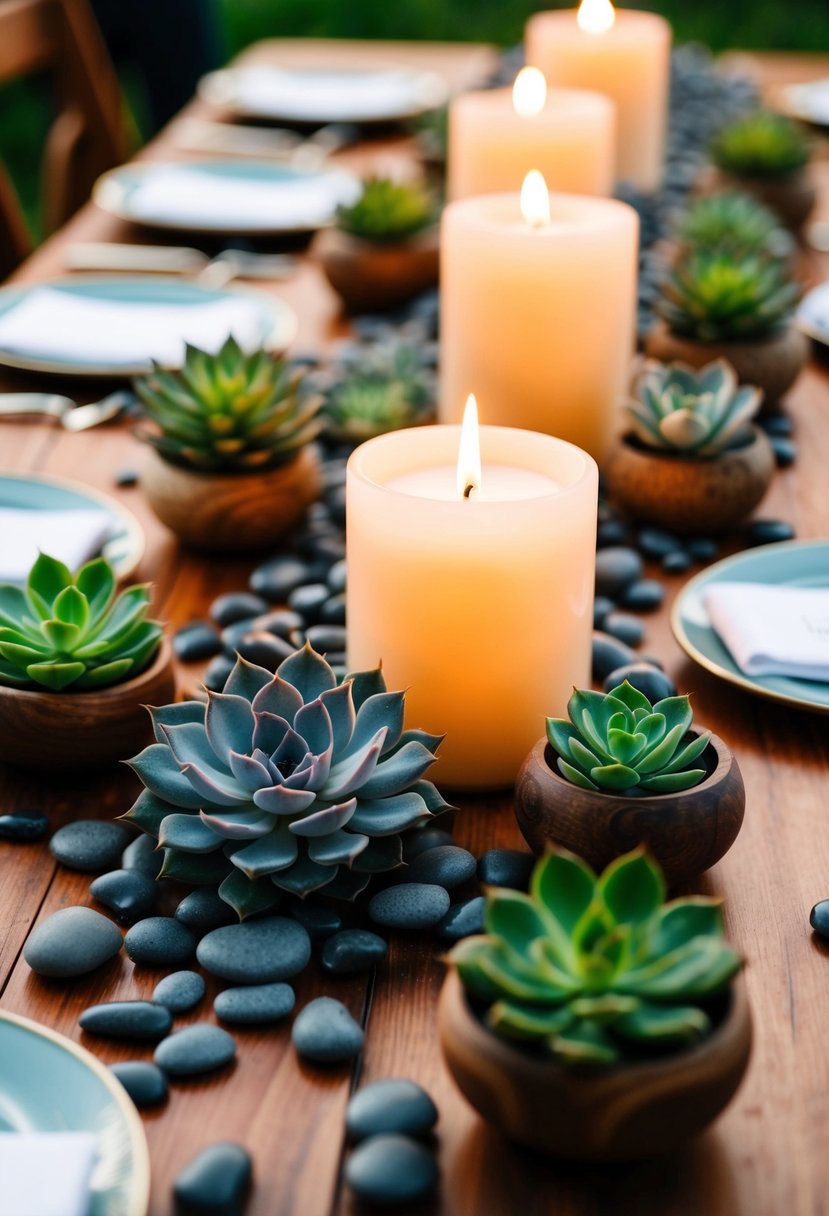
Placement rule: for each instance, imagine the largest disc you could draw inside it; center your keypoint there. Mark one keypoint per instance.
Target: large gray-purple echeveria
(288, 782)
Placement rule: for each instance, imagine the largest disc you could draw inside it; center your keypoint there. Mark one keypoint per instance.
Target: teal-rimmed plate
(275, 321)
(36, 492)
(226, 197)
(49, 1084)
(791, 564)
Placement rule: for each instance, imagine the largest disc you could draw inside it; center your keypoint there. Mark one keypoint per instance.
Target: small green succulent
(229, 411)
(433, 134)
(388, 390)
(63, 630)
(696, 413)
(597, 971)
(714, 296)
(388, 210)
(734, 223)
(619, 742)
(761, 144)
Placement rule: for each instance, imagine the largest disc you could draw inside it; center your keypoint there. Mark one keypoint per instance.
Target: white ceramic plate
(813, 314)
(808, 101)
(324, 95)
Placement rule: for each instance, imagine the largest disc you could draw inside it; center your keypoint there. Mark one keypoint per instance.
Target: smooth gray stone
(236, 606)
(655, 543)
(199, 1048)
(628, 629)
(128, 893)
(326, 638)
(281, 622)
(602, 606)
(203, 910)
(391, 1170)
(421, 839)
(255, 1003)
(160, 941)
(677, 562)
(218, 670)
(462, 920)
(324, 1031)
(180, 991)
(644, 596)
(215, 1183)
(264, 649)
(318, 919)
(308, 600)
(702, 548)
(608, 654)
(143, 854)
(90, 845)
(336, 579)
(198, 640)
(145, 1083)
(352, 951)
(394, 1105)
(276, 579)
(650, 681)
(72, 942)
(447, 866)
(256, 952)
(616, 568)
(506, 868)
(769, 531)
(24, 827)
(409, 905)
(127, 1020)
(333, 611)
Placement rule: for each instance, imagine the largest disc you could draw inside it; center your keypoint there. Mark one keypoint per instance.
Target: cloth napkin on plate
(773, 631)
(49, 324)
(46, 1173)
(324, 95)
(71, 536)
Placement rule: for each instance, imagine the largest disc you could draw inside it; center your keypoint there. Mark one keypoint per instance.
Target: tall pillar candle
(539, 316)
(480, 606)
(497, 135)
(624, 54)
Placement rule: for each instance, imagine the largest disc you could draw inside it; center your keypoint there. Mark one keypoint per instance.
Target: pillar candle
(480, 606)
(624, 54)
(540, 318)
(497, 135)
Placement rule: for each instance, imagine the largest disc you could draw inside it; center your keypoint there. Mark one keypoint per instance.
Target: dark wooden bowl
(79, 730)
(686, 832)
(370, 276)
(623, 1113)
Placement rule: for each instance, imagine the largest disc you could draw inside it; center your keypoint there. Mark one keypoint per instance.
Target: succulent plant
(618, 741)
(388, 210)
(713, 296)
(734, 223)
(63, 630)
(761, 144)
(388, 390)
(432, 130)
(594, 971)
(696, 413)
(288, 782)
(230, 411)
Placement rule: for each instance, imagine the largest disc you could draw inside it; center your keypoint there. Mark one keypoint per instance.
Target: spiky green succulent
(595, 971)
(228, 412)
(288, 782)
(761, 144)
(714, 296)
(734, 223)
(72, 631)
(390, 389)
(696, 413)
(619, 742)
(388, 210)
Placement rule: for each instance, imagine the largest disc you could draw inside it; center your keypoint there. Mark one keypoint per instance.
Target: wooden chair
(60, 37)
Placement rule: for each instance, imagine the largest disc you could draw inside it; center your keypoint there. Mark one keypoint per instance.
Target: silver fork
(63, 409)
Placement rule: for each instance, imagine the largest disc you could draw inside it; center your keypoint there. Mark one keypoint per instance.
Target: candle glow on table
(474, 586)
(497, 135)
(624, 54)
(538, 306)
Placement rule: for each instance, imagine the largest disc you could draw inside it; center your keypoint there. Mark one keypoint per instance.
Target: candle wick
(468, 491)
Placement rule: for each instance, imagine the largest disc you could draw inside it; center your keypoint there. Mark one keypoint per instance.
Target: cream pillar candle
(624, 54)
(480, 606)
(540, 317)
(496, 136)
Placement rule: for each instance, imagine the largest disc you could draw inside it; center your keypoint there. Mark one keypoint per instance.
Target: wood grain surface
(765, 1157)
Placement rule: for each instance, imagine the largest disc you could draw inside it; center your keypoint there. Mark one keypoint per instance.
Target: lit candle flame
(469, 452)
(529, 93)
(596, 16)
(535, 200)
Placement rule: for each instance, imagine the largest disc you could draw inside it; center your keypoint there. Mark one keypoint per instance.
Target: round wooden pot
(772, 363)
(626, 1112)
(231, 512)
(370, 276)
(686, 832)
(792, 197)
(691, 495)
(78, 730)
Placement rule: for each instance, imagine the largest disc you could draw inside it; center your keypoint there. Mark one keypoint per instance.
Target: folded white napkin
(188, 195)
(324, 96)
(773, 631)
(71, 536)
(46, 1173)
(49, 324)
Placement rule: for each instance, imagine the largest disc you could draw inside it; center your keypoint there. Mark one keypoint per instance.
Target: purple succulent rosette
(288, 782)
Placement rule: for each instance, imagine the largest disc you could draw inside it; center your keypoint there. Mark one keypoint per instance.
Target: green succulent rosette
(695, 413)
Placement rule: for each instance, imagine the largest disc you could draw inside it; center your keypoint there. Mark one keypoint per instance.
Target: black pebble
(608, 654)
(198, 640)
(218, 670)
(352, 951)
(777, 424)
(236, 606)
(326, 639)
(655, 543)
(215, 1183)
(601, 607)
(645, 596)
(203, 910)
(264, 649)
(647, 679)
(819, 918)
(145, 1083)
(281, 623)
(318, 920)
(612, 532)
(626, 628)
(677, 562)
(126, 478)
(333, 611)
(446, 866)
(308, 600)
(785, 451)
(462, 920)
(616, 569)
(90, 845)
(421, 839)
(276, 579)
(233, 634)
(23, 827)
(336, 578)
(506, 868)
(702, 548)
(128, 893)
(769, 532)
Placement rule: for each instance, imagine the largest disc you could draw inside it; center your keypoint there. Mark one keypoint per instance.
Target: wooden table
(767, 1156)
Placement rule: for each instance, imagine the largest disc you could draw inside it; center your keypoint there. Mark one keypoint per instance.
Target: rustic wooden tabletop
(765, 1157)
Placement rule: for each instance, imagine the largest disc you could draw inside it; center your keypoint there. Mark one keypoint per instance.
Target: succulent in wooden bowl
(391, 388)
(768, 155)
(734, 222)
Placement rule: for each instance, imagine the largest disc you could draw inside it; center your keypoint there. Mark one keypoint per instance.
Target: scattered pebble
(90, 845)
(506, 868)
(195, 1049)
(71, 942)
(203, 910)
(318, 920)
(326, 638)
(325, 1032)
(649, 680)
(24, 827)
(624, 627)
(702, 548)
(392, 1106)
(644, 596)
(769, 532)
(218, 669)
(195, 641)
(145, 1083)
(180, 991)
(419, 840)
(352, 951)
(281, 623)
(264, 649)
(677, 562)
(777, 424)
(391, 1169)
(785, 451)
(602, 606)
(336, 578)
(215, 1183)
(655, 543)
(257, 951)
(616, 568)
(277, 578)
(612, 532)
(127, 1020)
(129, 894)
(236, 606)
(255, 1003)
(160, 941)
(308, 600)
(819, 918)
(409, 905)
(608, 654)
(142, 854)
(447, 866)
(127, 477)
(462, 920)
